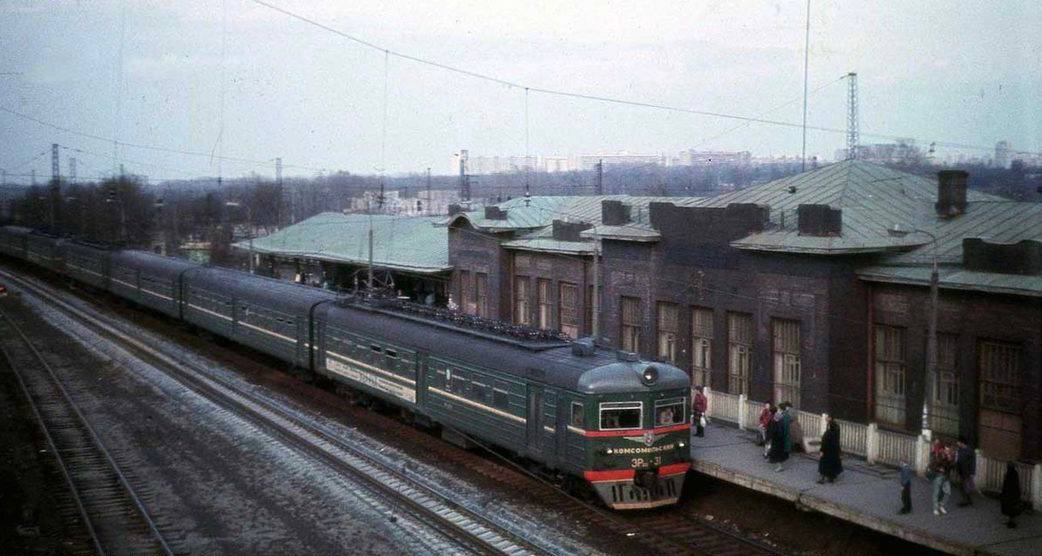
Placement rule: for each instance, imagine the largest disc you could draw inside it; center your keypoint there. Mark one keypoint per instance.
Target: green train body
(606, 417)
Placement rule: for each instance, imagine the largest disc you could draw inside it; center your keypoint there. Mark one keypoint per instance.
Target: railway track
(464, 527)
(109, 506)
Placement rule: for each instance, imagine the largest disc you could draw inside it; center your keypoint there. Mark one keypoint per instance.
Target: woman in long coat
(779, 440)
(1010, 498)
(830, 465)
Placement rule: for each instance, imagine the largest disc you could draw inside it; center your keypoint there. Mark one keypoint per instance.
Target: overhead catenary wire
(246, 161)
(599, 98)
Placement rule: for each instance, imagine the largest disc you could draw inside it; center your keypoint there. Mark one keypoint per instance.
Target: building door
(999, 422)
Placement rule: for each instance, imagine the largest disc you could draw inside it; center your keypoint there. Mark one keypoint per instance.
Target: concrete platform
(868, 496)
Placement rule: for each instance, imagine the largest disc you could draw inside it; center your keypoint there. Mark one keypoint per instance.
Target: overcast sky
(966, 72)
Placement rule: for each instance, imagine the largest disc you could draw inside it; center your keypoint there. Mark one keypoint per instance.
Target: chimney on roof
(569, 231)
(951, 193)
(495, 213)
(819, 220)
(614, 213)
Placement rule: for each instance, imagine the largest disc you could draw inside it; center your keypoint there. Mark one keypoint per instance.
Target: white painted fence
(876, 446)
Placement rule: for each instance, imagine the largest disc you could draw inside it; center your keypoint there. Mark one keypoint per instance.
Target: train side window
(478, 391)
(375, 348)
(393, 354)
(669, 412)
(578, 417)
(500, 398)
(621, 415)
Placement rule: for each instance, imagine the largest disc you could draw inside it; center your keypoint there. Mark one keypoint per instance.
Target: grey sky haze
(962, 72)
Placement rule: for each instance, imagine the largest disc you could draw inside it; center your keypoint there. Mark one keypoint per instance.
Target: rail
(90, 464)
(473, 530)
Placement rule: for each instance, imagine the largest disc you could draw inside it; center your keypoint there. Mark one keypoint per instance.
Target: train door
(534, 420)
(548, 430)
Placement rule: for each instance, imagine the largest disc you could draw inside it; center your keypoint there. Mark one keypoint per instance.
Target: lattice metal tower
(55, 169)
(852, 123)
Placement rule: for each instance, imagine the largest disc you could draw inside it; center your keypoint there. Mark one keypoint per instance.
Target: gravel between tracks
(303, 509)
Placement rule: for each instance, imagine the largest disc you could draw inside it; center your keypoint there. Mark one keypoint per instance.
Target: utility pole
(55, 169)
(852, 117)
(600, 177)
(464, 183)
(285, 198)
(72, 169)
(369, 284)
(428, 189)
(595, 313)
(806, 61)
(55, 188)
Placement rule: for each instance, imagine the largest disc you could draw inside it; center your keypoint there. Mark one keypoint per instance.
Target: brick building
(797, 290)
(527, 260)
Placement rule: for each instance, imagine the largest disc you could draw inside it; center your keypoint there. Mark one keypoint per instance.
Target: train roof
(276, 294)
(558, 365)
(152, 262)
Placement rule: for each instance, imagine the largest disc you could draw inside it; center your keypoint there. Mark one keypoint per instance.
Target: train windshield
(669, 412)
(621, 415)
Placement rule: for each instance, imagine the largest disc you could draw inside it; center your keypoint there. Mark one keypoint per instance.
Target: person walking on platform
(830, 465)
(779, 451)
(966, 468)
(765, 419)
(939, 471)
(906, 489)
(699, 406)
(768, 424)
(1010, 497)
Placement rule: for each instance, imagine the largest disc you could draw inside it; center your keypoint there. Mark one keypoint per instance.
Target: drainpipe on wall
(870, 397)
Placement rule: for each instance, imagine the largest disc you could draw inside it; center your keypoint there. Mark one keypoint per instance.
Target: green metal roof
(956, 279)
(873, 199)
(410, 244)
(999, 221)
(534, 218)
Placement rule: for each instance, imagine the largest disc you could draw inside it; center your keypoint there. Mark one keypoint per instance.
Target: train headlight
(681, 444)
(650, 375)
(609, 451)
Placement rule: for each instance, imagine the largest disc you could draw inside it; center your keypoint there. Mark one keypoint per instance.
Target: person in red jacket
(698, 410)
(766, 414)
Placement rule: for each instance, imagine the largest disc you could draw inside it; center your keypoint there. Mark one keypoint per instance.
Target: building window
(568, 309)
(890, 375)
(785, 346)
(1000, 376)
(701, 346)
(739, 352)
(667, 332)
(481, 293)
(544, 303)
(944, 388)
(999, 420)
(522, 310)
(629, 331)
